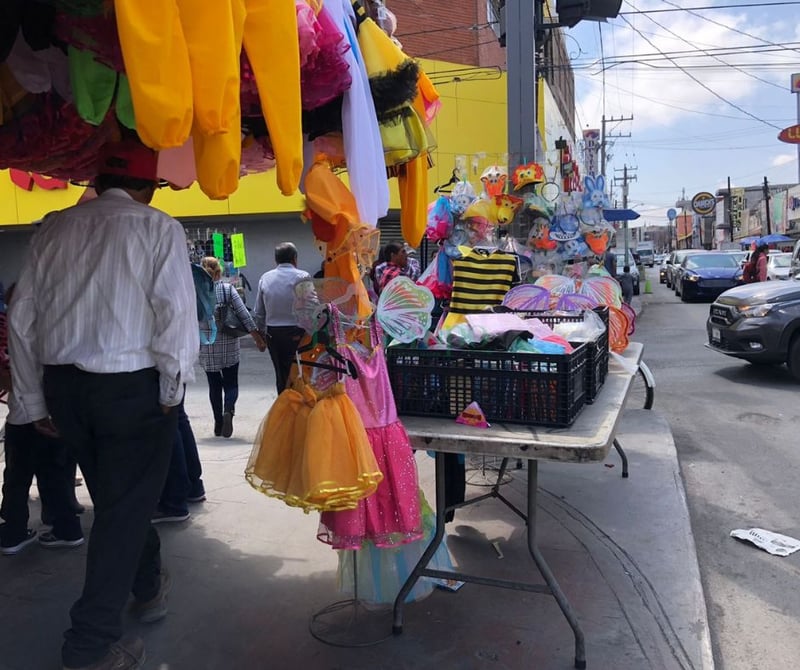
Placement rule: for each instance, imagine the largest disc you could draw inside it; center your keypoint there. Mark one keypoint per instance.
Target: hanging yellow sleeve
(157, 64)
(272, 45)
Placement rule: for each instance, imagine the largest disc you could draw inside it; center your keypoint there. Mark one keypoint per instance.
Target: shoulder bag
(232, 325)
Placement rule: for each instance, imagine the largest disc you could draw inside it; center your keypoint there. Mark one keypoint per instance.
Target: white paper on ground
(774, 543)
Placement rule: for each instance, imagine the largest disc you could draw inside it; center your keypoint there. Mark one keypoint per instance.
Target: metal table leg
(624, 458)
(555, 589)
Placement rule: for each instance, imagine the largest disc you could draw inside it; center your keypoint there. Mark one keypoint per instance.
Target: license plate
(715, 335)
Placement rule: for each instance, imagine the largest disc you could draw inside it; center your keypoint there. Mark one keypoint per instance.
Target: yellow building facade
(470, 130)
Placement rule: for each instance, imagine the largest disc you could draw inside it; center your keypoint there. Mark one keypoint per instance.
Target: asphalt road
(737, 431)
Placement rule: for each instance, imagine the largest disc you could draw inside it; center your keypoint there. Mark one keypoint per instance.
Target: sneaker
(49, 539)
(154, 609)
(123, 655)
(227, 424)
(196, 499)
(169, 517)
(11, 547)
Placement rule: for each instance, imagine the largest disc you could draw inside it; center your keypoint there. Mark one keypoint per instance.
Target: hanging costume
(391, 515)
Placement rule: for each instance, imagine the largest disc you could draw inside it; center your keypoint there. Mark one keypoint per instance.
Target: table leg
(441, 508)
(555, 589)
(622, 455)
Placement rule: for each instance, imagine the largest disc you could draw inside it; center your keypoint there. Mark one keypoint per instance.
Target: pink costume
(390, 516)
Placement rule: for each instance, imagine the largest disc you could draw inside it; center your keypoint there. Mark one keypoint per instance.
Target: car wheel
(676, 286)
(636, 288)
(793, 363)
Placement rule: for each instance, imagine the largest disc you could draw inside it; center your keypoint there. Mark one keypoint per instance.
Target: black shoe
(49, 539)
(169, 517)
(227, 424)
(217, 428)
(9, 547)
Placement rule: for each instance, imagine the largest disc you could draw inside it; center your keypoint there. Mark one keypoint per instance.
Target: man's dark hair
(627, 268)
(103, 182)
(285, 252)
(391, 248)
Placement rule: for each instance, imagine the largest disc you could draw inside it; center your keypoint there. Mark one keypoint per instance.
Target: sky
(708, 90)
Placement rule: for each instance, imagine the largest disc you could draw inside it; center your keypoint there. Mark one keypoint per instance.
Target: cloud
(783, 159)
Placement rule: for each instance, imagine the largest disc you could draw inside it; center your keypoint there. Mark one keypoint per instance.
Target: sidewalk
(248, 572)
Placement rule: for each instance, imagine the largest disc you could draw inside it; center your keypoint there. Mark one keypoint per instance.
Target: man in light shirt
(103, 335)
(274, 313)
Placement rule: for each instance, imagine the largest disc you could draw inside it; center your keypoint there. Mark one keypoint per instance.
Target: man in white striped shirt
(103, 335)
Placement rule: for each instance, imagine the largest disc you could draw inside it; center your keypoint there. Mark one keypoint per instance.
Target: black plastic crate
(597, 358)
(541, 389)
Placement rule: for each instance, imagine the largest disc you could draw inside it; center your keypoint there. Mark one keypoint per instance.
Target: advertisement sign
(591, 151)
(737, 207)
(790, 135)
(796, 83)
(793, 209)
(704, 203)
(778, 212)
(237, 247)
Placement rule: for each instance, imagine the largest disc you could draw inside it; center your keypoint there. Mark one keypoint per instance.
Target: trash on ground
(774, 543)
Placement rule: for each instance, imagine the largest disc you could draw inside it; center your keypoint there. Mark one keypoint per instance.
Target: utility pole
(729, 208)
(603, 138)
(520, 18)
(624, 181)
(766, 202)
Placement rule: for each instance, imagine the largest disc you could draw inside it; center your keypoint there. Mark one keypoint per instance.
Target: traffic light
(572, 11)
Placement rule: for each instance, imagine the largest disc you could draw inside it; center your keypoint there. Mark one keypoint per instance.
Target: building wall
(452, 30)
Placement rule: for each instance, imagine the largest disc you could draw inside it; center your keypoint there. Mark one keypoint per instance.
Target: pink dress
(390, 516)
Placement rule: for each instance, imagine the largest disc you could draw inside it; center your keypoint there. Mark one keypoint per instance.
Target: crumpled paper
(773, 543)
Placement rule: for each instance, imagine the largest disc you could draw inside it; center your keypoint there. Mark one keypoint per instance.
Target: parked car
(662, 271)
(621, 263)
(759, 323)
(706, 275)
(660, 258)
(778, 265)
(674, 261)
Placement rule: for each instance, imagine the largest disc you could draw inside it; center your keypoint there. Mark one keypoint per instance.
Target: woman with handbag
(220, 359)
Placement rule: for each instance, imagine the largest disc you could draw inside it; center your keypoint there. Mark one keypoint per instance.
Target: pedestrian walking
(27, 454)
(106, 307)
(220, 359)
(626, 284)
(274, 312)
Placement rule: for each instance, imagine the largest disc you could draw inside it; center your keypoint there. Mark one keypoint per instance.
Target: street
(735, 428)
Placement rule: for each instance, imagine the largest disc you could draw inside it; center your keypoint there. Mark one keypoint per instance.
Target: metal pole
(766, 202)
(521, 81)
(729, 207)
(798, 146)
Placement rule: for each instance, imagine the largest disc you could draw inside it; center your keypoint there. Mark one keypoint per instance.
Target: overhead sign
(671, 214)
(704, 203)
(790, 135)
(796, 83)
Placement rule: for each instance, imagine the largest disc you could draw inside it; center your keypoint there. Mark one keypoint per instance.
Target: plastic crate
(541, 389)
(597, 358)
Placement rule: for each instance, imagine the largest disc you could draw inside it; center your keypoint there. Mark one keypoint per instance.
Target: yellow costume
(312, 451)
(157, 64)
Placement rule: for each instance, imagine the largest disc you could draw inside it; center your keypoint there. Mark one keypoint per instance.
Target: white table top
(587, 439)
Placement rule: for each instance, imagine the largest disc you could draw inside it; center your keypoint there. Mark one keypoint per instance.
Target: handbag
(232, 325)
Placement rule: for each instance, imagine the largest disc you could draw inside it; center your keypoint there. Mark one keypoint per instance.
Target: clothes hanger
(455, 177)
(323, 337)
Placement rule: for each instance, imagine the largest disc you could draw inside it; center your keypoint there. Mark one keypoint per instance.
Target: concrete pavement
(248, 572)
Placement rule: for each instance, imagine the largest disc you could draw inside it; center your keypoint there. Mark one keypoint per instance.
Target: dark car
(759, 323)
(706, 275)
(673, 262)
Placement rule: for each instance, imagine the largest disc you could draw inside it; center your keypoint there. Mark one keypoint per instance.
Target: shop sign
(796, 83)
(704, 203)
(790, 135)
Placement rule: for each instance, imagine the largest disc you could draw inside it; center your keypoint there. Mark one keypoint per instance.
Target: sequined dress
(390, 516)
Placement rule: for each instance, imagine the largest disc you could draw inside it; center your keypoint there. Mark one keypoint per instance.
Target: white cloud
(783, 159)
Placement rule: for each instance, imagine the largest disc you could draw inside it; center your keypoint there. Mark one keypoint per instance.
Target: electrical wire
(686, 9)
(700, 83)
(465, 46)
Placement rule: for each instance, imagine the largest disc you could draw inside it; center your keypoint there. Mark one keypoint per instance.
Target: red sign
(790, 135)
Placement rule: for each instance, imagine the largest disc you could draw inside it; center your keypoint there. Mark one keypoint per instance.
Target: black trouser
(225, 380)
(30, 453)
(123, 441)
(283, 342)
(183, 478)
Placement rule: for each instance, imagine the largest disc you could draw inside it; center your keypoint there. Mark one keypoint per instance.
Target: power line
(700, 83)
(687, 9)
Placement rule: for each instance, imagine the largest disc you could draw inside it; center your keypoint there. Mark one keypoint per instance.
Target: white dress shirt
(107, 288)
(275, 296)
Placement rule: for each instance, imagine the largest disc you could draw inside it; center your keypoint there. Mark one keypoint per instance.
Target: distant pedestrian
(274, 311)
(626, 284)
(220, 359)
(106, 307)
(610, 263)
(755, 269)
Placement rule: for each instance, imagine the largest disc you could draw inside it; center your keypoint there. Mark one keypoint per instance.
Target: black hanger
(323, 337)
(445, 188)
